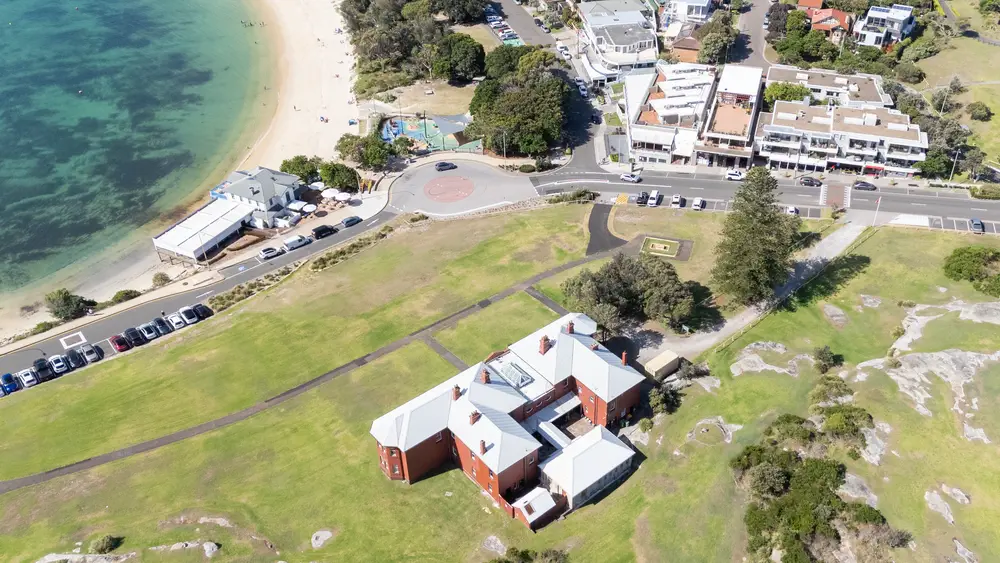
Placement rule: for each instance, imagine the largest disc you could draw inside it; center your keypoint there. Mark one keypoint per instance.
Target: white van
(654, 199)
(291, 243)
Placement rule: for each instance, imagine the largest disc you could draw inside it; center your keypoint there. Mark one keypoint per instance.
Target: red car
(119, 343)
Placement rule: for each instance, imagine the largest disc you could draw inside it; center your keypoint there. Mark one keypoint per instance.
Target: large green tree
(525, 117)
(459, 57)
(462, 11)
(714, 47)
(340, 176)
(65, 306)
(755, 253)
(786, 91)
(370, 151)
(503, 60)
(304, 167)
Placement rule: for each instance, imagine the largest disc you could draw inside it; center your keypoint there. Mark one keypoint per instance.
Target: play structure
(434, 133)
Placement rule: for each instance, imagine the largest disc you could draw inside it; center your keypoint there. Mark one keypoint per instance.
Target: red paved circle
(449, 189)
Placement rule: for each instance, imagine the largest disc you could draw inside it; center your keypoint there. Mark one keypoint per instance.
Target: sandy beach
(313, 79)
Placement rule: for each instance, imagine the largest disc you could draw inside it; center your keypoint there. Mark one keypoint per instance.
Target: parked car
(493, 18)
(268, 253)
(162, 326)
(119, 343)
(42, 370)
(176, 321)
(866, 186)
(595, 118)
(75, 359)
(654, 199)
(497, 22)
(351, 221)
(976, 226)
(27, 377)
(537, 22)
(698, 204)
(677, 201)
(149, 331)
(583, 90)
(134, 337)
(202, 311)
(518, 2)
(442, 166)
(810, 181)
(295, 241)
(545, 28)
(634, 178)
(91, 353)
(566, 55)
(642, 198)
(734, 174)
(9, 384)
(508, 36)
(791, 210)
(59, 364)
(323, 231)
(188, 314)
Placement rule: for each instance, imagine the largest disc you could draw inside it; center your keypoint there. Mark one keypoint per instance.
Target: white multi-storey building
(876, 141)
(617, 36)
(849, 90)
(687, 11)
(883, 26)
(727, 136)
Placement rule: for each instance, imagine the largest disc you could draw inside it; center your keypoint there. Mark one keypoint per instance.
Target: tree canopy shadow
(838, 273)
(706, 315)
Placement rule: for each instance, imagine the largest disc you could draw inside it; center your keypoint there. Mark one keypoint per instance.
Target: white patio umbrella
(309, 208)
(317, 186)
(343, 196)
(329, 193)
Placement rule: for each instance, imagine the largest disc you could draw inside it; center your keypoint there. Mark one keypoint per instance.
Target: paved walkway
(424, 334)
(544, 300)
(601, 239)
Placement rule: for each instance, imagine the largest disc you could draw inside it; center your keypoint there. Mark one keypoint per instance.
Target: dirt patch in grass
(481, 33)
(645, 552)
(447, 99)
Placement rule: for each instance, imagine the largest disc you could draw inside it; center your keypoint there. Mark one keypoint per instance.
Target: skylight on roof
(515, 375)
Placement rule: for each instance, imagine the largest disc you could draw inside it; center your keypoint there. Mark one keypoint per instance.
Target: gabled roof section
(586, 460)
(506, 441)
(260, 184)
(417, 419)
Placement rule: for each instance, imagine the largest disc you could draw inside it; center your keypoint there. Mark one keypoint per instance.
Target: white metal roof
(419, 418)
(506, 441)
(205, 228)
(586, 460)
(739, 79)
(535, 504)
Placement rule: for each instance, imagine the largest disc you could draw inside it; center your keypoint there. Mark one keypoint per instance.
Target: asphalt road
(522, 23)
(100, 330)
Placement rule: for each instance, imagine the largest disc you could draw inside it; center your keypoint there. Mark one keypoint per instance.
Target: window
(531, 460)
(527, 409)
(439, 437)
(395, 469)
(491, 473)
(566, 383)
(473, 471)
(490, 488)
(454, 451)
(591, 398)
(579, 389)
(611, 406)
(392, 453)
(472, 455)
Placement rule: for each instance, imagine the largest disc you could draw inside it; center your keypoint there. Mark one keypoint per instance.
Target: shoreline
(298, 93)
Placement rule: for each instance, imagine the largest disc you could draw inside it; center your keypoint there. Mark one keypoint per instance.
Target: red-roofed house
(810, 4)
(836, 24)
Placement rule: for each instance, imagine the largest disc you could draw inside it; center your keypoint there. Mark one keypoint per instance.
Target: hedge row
(342, 253)
(988, 191)
(223, 301)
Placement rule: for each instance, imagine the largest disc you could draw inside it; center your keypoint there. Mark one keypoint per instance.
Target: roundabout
(471, 186)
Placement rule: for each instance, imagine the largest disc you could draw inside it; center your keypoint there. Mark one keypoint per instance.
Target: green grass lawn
(660, 247)
(968, 59)
(613, 119)
(307, 326)
(496, 327)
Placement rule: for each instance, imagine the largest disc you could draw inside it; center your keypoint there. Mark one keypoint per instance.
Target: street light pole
(878, 203)
(953, 164)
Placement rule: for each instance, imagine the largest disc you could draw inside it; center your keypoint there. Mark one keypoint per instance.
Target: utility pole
(505, 146)
(953, 164)
(878, 203)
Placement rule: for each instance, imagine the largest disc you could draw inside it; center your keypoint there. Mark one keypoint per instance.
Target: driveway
(472, 186)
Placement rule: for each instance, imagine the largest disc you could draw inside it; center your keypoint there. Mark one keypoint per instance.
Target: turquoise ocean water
(112, 114)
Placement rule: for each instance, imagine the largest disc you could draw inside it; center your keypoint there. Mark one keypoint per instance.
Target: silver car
(149, 331)
(176, 321)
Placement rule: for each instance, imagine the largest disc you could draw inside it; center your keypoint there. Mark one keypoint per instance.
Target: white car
(498, 22)
(734, 174)
(791, 210)
(633, 178)
(188, 314)
(59, 364)
(654, 199)
(583, 90)
(28, 378)
(545, 28)
(493, 18)
(176, 321)
(677, 201)
(579, 81)
(268, 253)
(698, 204)
(518, 2)
(565, 54)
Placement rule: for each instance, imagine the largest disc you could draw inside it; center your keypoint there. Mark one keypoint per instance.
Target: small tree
(339, 176)
(302, 166)
(160, 279)
(979, 111)
(124, 295)
(105, 544)
(645, 425)
(825, 359)
(956, 86)
(909, 72)
(713, 48)
(66, 306)
(767, 480)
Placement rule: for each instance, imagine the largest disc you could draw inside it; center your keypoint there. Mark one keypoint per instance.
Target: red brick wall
(475, 469)
(594, 408)
(560, 389)
(526, 469)
(625, 401)
(426, 455)
(390, 462)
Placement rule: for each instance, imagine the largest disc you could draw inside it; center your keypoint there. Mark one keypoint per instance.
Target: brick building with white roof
(489, 420)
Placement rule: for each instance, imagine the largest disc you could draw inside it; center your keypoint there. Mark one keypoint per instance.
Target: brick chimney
(482, 447)
(594, 346)
(624, 358)
(474, 417)
(569, 328)
(544, 344)
(484, 376)
(456, 392)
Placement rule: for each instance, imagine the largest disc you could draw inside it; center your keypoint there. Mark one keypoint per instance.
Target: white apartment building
(727, 136)
(617, 36)
(849, 90)
(878, 141)
(665, 109)
(687, 11)
(883, 26)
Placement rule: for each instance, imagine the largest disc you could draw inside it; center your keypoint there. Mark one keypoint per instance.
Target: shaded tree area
(333, 174)
(515, 555)
(785, 91)
(716, 37)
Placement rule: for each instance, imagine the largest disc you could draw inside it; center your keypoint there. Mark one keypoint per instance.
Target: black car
(538, 22)
(442, 166)
(323, 231)
(75, 359)
(43, 369)
(976, 226)
(134, 337)
(162, 326)
(595, 119)
(351, 221)
(202, 311)
(810, 181)
(860, 185)
(642, 198)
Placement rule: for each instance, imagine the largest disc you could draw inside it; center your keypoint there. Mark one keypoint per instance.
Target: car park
(59, 364)
(865, 186)
(698, 204)
(734, 174)
(323, 231)
(810, 181)
(149, 331)
(295, 241)
(791, 210)
(268, 253)
(27, 377)
(162, 326)
(976, 226)
(442, 166)
(75, 359)
(202, 311)
(351, 221)
(91, 353)
(642, 198)
(134, 337)
(9, 384)
(119, 343)
(677, 201)
(176, 321)
(188, 314)
(654, 199)
(42, 370)
(633, 178)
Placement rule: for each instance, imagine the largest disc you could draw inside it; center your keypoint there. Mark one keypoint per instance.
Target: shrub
(854, 454)
(861, 513)
(846, 421)
(44, 326)
(979, 111)
(825, 359)
(990, 286)
(160, 279)
(542, 163)
(970, 263)
(614, 157)
(905, 303)
(418, 217)
(893, 363)
(898, 332)
(575, 195)
(66, 306)
(645, 425)
(105, 544)
(828, 389)
(125, 295)
(767, 480)
(909, 72)
(526, 168)
(989, 191)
